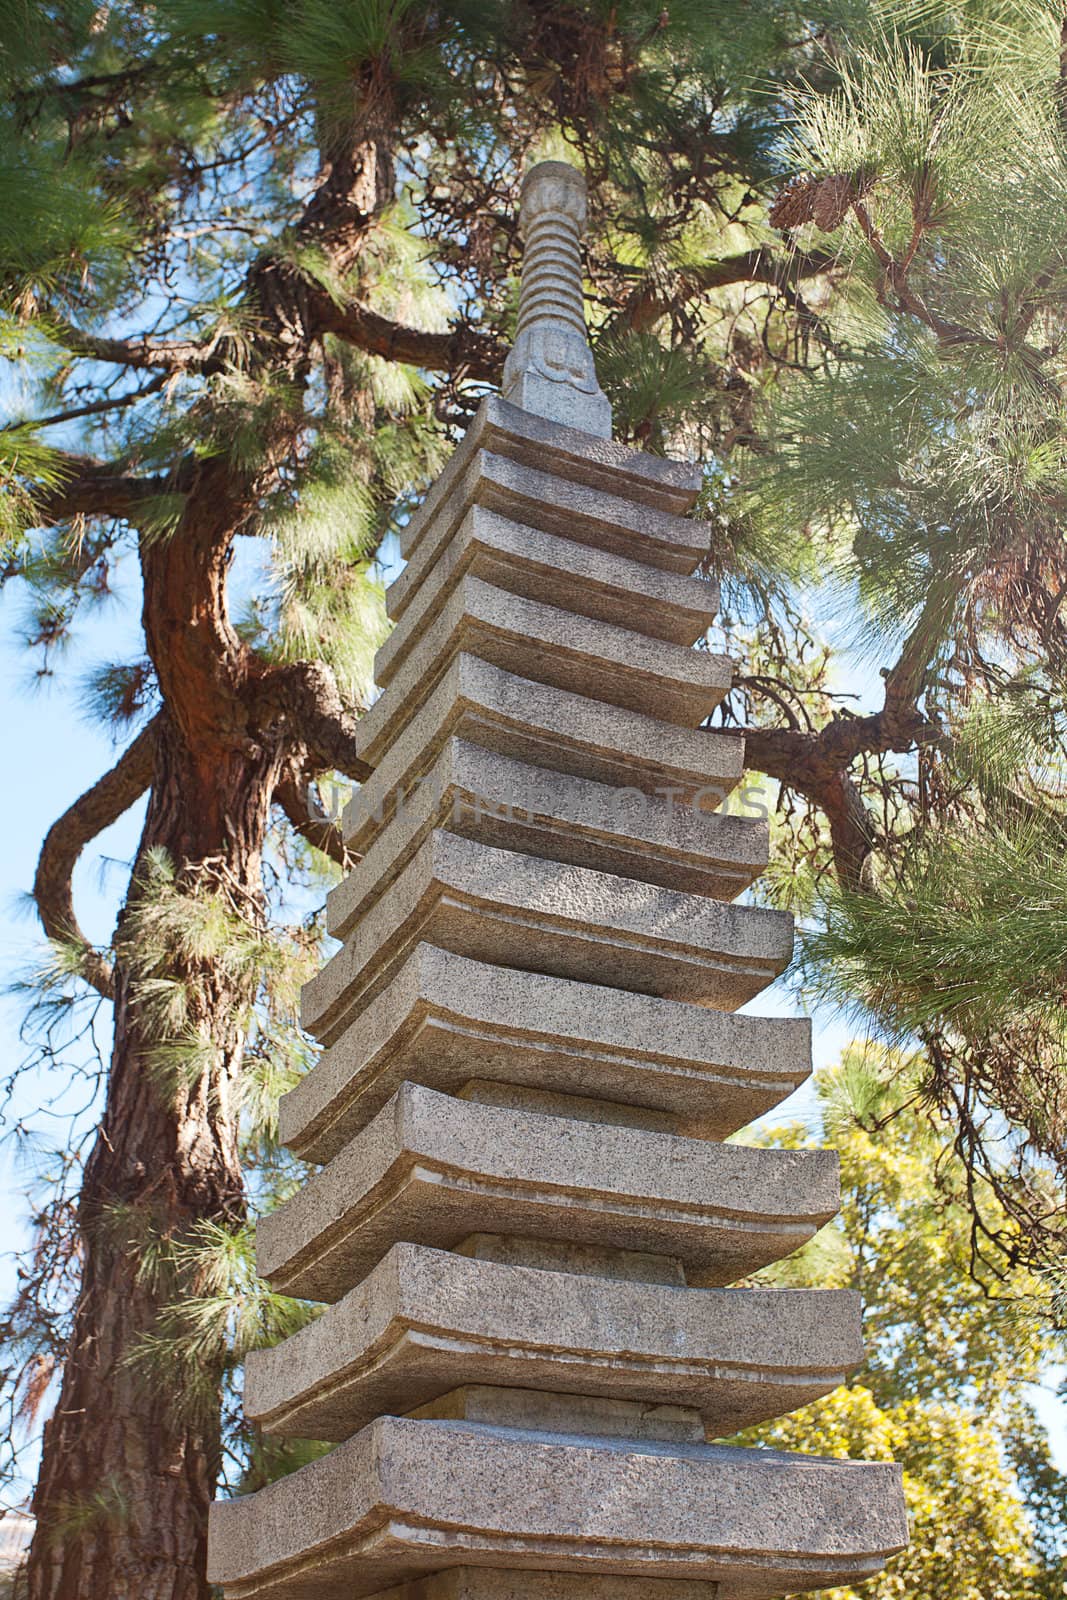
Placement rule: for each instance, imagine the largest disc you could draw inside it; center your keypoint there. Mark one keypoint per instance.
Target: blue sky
(56, 753)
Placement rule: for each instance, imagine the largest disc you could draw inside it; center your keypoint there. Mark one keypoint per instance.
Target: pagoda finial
(550, 370)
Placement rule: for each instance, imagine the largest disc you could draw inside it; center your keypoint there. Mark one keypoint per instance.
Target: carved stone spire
(529, 1217)
(550, 371)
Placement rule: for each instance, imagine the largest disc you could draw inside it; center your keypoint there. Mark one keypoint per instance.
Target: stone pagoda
(527, 1221)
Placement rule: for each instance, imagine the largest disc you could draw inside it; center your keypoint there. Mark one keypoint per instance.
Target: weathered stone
(549, 370)
(433, 1169)
(406, 1497)
(563, 506)
(579, 1107)
(541, 566)
(564, 453)
(555, 1412)
(576, 654)
(552, 729)
(563, 1255)
(527, 1218)
(509, 804)
(547, 916)
(426, 1321)
(496, 1583)
(445, 1019)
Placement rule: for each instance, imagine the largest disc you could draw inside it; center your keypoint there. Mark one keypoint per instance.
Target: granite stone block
(541, 566)
(548, 645)
(548, 728)
(408, 1497)
(547, 916)
(550, 369)
(445, 1019)
(568, 453)
(434, 1170)
(557, 1412)
(562, 506)
(501, 1583)
(426, 1321)
(488, 797)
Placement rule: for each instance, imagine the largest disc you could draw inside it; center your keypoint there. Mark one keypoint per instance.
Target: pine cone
(833, 197)
(795, 205)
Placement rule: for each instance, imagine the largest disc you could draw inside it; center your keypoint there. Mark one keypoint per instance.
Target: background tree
(952, 1353)
(926, 460)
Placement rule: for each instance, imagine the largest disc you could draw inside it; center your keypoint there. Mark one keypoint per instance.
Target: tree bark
(126, 1479)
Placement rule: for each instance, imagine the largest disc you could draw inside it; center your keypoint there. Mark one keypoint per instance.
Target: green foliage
(118, 693)
(27, 469)
(105, 1505)
(218, 1309)
(919, 950)
(922, 457)
(951, 1354)
(185, 935)
(56, 240)
(930, 451)
(971, 1539)
(916, 951)
(893, 425)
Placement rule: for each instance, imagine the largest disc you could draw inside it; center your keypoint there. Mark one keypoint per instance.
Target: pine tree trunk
(125, 1482)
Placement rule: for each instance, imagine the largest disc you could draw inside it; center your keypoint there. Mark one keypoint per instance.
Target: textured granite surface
(445, 1019)
(495, 1583)
(542, 566)
(425, 1321)
(512, 805)
(528, 1221)
(549, 369)
(550, 728)
(553, 646)
(614, 521)
(434, 1169)
(548, 916)
(407, 1497)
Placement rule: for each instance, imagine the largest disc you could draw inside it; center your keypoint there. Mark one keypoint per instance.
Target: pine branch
(91, 488)
(305, 693)
(816, 764)
(173, 355)
(462, 350)
(92, 408)
(648, 303)
(100, 806)
(895, 277)
(313, 824)
(478, 355)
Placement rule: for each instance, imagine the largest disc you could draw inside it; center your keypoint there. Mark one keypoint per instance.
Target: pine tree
(259, 262)
(927, 459)
(953, 1353)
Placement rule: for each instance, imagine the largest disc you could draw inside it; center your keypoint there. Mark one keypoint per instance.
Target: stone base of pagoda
(409, 1497)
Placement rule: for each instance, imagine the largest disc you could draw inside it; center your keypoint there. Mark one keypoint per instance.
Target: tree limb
(816, 764)
(649, 302)
(173, 355)
(480, 355)
(100, 806)
(305, 693)
(91, 488)
(460, 349)
(312, 824)
(92, 408)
